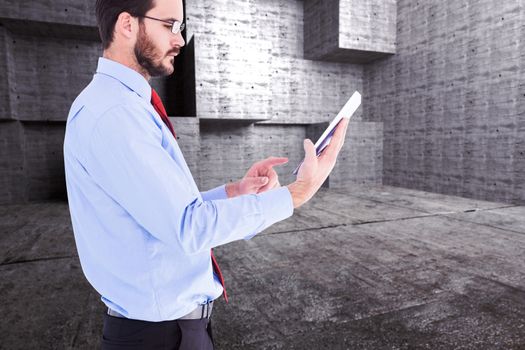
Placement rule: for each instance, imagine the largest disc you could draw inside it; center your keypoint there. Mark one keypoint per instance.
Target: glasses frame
(176, 26)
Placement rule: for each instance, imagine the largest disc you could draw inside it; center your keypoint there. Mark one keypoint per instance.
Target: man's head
(139, 33)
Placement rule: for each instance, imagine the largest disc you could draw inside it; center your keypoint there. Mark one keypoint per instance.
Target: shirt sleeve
(215, 193)
(126, 159)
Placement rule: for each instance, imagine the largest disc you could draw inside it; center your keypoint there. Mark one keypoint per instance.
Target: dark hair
(107, 12)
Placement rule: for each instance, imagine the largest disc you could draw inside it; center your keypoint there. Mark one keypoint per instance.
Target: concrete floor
(360, 268)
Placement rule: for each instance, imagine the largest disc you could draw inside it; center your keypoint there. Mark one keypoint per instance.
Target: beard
(149, 57)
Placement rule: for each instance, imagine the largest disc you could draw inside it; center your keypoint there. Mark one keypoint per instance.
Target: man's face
(156, 45)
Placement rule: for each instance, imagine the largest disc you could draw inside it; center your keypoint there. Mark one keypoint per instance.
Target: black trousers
(123, 333)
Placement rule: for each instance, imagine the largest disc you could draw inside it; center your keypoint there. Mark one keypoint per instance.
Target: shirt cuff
(215, 193)
(276, 205)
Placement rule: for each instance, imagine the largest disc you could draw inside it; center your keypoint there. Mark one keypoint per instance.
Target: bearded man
(143, 230)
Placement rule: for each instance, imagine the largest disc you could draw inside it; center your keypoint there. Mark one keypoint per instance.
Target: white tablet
(347, 112)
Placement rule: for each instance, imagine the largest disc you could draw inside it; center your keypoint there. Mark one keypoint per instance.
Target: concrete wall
(452, 99)
(244, 63)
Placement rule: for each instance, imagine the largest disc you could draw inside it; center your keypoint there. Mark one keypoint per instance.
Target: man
(143, 231)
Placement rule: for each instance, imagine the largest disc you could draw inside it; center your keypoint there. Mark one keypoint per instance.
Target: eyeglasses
(176, 26)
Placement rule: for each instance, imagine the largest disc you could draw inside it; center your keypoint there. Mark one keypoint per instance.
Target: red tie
(219, 274)
(159, 107)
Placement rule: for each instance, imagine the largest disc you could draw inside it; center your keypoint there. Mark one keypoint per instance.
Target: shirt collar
(127, 76)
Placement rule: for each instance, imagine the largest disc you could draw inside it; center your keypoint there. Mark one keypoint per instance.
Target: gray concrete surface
(452, 99)
(244, 63)
(250, 64)
(356, 268)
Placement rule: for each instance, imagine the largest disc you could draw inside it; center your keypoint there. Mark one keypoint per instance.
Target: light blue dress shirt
(142, 228)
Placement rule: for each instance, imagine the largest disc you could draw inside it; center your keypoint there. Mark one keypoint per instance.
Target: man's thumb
(309, 150)
(256, 182)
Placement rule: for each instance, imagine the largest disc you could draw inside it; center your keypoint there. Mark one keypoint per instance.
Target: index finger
(271, 161)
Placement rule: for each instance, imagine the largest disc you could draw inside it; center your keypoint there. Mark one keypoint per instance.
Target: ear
(126, 25)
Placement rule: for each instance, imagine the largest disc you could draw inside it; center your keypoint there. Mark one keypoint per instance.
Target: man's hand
(260, 177)
(314, 170)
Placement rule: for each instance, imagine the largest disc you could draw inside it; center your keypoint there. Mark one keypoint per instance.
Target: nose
(178, 40)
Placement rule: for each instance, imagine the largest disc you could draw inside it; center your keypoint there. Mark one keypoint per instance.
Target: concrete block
(248, 83)
(349, 31)
(226, 150)
(233, 78)
(56, 11)
(315, 91)
(48, 76)
(321, 28)
(12, 165)
(5, 103)
(44, 160)
(229, 149)
(281, 141)
(368, 25)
